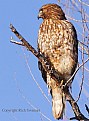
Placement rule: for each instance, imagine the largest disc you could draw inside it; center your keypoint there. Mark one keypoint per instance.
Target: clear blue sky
(14, 72)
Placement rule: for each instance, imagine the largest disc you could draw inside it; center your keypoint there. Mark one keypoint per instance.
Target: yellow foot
(61, 83)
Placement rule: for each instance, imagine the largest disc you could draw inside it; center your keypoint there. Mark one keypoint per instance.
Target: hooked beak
(38, 17)
(40, 14)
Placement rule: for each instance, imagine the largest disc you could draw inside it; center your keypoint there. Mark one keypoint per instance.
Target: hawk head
(51, 11)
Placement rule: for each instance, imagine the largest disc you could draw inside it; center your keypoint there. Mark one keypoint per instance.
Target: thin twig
(84, 3)
(81, 86)
(15, 42)
(29, 103)
(13, 115)
(71, 18)
(76, 71)
(35, 79)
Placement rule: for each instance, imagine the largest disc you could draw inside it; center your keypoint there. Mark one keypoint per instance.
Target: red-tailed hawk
(57, 41)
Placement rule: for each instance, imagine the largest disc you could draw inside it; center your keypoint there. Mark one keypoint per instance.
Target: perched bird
(57, 41)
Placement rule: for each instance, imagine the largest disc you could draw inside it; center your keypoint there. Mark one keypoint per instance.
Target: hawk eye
(41, 10)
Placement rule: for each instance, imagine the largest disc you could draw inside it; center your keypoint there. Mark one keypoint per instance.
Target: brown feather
(57, 40)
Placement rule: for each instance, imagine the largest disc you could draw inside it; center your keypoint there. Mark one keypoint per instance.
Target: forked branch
(52, 72)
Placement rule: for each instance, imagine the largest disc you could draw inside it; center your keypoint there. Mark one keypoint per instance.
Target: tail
(58, 98)
(58, 103)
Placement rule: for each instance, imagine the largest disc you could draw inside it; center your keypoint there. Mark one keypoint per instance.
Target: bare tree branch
(53, 73)
(87, 108)
(78, 115)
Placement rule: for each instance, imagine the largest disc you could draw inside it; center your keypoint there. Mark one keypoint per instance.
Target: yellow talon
(61, 83)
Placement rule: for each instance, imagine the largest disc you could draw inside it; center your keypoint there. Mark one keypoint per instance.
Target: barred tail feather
(58, 98)
(58, 103)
